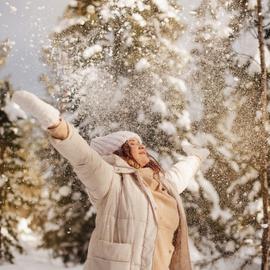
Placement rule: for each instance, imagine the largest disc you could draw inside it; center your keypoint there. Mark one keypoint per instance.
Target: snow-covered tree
(262, 25)
(19, 181)
(13, 181)
(170, 71)
(227, 199)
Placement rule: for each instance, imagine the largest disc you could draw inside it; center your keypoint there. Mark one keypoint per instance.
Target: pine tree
(126, 65)
(264, 176)
(12, 172)
(19, 192)
(226, 202)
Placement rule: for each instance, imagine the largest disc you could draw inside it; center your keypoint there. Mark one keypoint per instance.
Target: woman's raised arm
(95, 173)
(184, 170)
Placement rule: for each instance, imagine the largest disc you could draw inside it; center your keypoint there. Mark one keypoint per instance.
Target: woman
(140, 222)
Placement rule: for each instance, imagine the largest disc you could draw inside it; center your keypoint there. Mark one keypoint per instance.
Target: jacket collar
(119, 164)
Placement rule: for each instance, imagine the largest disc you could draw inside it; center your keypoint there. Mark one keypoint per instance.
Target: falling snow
(185, 74)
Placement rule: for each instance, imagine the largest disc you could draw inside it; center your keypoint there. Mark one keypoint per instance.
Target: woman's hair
(125, 153)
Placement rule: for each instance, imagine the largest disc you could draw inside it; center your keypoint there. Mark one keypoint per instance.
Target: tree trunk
(264, 154)
(1, 206)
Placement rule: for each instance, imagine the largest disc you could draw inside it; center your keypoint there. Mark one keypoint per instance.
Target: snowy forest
(172, 71)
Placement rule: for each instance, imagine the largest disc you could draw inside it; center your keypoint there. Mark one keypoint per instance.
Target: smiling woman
(136, 155)
(133, 149)
(140, 221)
(138, 152)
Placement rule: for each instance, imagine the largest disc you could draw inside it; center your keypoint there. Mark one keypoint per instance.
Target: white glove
(190, 150)
(46, 114)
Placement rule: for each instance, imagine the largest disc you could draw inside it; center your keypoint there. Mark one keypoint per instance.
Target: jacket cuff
(64, 141)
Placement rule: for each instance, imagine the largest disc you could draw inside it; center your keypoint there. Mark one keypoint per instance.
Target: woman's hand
(59, 130)
(191, 150)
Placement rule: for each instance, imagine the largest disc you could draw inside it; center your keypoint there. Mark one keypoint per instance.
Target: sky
(27, 23)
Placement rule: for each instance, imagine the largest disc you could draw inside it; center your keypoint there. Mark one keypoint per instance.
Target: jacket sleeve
(95, 173)
(183, 171)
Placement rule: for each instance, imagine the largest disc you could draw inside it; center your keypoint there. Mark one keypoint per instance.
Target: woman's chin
(144, 162)
(142, 159)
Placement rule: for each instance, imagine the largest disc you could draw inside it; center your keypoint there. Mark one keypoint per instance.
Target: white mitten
(190, 150)
(46, 114)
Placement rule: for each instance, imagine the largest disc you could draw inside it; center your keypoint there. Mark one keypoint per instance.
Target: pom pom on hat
(106, 145)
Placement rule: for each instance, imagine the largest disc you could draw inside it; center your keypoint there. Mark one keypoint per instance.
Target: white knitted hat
(106, 145)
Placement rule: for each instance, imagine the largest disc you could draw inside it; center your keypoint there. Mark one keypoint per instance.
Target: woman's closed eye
(131, 142)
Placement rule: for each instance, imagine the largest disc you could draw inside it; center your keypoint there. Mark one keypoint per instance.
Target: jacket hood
(119, 164)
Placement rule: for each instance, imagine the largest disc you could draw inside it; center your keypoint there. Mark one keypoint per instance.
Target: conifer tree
(171, 74)
(228, 78)
(19, 190)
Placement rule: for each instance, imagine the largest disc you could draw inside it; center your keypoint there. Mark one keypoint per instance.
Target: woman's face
(138, 152)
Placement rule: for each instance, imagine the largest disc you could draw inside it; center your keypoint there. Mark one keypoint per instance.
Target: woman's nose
(142, 146)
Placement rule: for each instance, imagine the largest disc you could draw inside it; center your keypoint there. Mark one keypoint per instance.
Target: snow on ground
(42, 259)
(34, 258)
